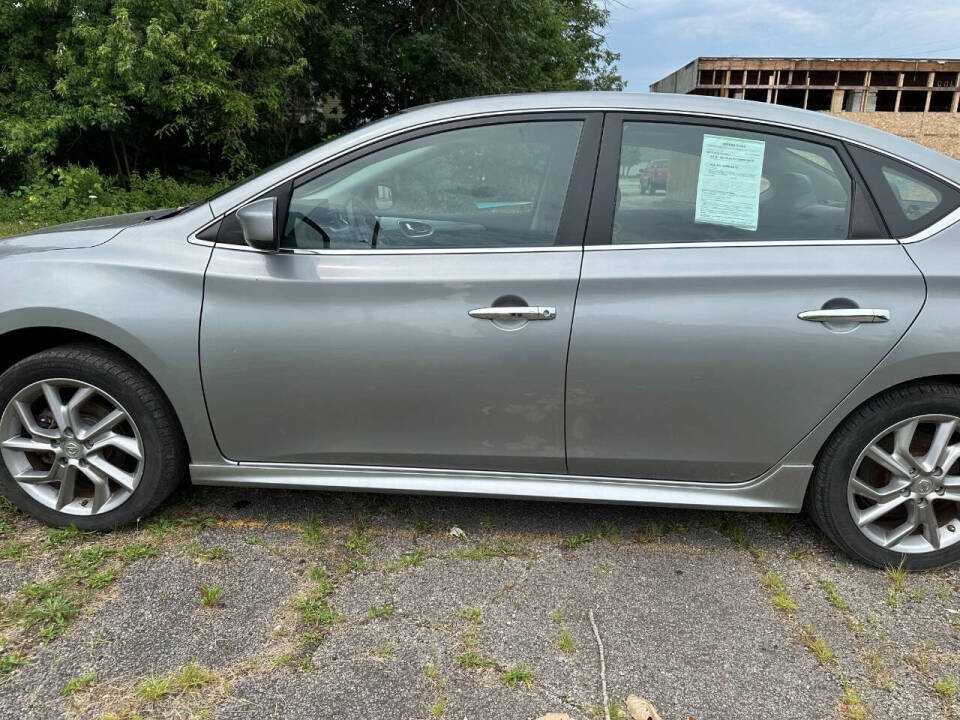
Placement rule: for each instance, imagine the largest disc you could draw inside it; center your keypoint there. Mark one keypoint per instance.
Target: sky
(656, 38)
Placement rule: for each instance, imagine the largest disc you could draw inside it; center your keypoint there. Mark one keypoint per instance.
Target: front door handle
(856, 315)
(524, 312)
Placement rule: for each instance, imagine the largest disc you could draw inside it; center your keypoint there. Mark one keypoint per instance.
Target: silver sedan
(653, 299)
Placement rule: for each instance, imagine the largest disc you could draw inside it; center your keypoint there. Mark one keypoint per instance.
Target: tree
(228, 85)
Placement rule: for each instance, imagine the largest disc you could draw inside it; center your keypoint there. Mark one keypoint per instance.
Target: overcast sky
(656, 38)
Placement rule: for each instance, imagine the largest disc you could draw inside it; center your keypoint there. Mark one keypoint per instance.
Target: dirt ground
(272, 604)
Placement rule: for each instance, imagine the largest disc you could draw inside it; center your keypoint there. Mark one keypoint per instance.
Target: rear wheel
(86, 439)
(887, 484)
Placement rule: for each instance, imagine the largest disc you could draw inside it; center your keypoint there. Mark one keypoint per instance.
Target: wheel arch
(21, 343)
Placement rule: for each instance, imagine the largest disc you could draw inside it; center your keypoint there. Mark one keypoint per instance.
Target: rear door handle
(524, 312)
(857, 315)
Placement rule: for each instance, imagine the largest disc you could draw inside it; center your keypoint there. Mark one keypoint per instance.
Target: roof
(615, 101)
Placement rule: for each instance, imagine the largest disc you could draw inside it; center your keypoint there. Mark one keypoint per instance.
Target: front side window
(492, 186)
(683, 183)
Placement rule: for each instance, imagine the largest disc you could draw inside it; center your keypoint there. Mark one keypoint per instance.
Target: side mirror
(258, 220)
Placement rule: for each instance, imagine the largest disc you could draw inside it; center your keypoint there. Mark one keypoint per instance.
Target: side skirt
(780, 490)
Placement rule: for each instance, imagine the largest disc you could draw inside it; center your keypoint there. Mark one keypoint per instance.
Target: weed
(430, 670)
(75, 685)
(319, 577)
(676, 528)
(187, 679)
(358, 544)
(315, 610)
(384, 650)
(817, 646)
(893, 599)
(781, 523)
(61, 536)
(851, 705)
(314, 534)
(160, 527)
(604, 568)
(51, 614)
(380, 611)
(12, 550)
(557, 616)
(798, 554)
(210, 554)
(944, 592)
(10, 661)
(565, 641)
(946, 687)
(898, 576)
(482, 551)
(518, 674)
(138, 551)
(101, 579)
(411, 558)
(473, 614)
(437, 708)
(607, 531)
(472, 660)
(833, 595)
(781, 599)
(87, 561)
(260, 542)
(651, 534)
(210, 595)
(881, 676)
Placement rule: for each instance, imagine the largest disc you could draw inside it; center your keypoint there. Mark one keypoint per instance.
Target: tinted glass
(481, 187)
(692, 183)
(909, 199)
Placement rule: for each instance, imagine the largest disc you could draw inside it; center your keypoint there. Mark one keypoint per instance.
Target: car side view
(477, 298)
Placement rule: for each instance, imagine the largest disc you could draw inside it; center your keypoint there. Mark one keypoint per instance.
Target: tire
(147, 443)
(917, 411)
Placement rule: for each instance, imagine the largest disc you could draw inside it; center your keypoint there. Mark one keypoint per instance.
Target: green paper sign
(728, 187)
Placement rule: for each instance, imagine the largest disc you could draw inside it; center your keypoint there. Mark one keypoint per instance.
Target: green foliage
(75, 685)
(131, 86)
(210, 595)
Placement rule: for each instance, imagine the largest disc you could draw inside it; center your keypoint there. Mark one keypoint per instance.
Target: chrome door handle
(857, 315)
(524, 312)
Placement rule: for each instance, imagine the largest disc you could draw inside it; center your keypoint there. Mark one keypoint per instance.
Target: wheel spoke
(902, 439)
(880, 495)
(108, 422)
(68, 484)
(931, 528)
(888, 461)
(101, 488)
(39, 477)
(122, 478)
(57, 409)
(938, 446)
(76, 402)
(874, 512)
(26, 444)
(902, 530)
(127, 444)
(30, 423)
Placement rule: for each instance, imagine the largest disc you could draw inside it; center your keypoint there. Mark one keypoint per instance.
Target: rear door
(689, 359)
(419, 312)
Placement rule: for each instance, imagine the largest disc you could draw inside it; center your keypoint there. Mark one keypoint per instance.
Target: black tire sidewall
(831, 510)
(137, 400)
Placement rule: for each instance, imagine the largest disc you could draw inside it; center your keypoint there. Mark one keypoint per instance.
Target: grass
(482, 551)
(210, 554)
(595, 712)
(384, 650)
(781, 599)
(100, 580)
(187, 679)
(946, 687)
(314, 534)
(319, 577)
(138, 551)
(881, 676)
(472, 660)
(557, 615)
(411, 558)
(380, 611)
(358, 544)
(11, 661)
(833, 595)
(732, 528)
(75, 685)
(51, 614)
(607, 531)
(87, 561)
(315, 610)
(62, 536)
(649, 535)
(517, 675)
(473, 614)
(565, 641)
(437, 708)
(210, 595)
(260, 542)
(798, 553)
(12, 550)
(898, 576)
(818, 646)
(851, 704)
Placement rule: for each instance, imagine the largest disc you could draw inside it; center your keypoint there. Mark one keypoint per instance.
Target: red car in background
(654, 176)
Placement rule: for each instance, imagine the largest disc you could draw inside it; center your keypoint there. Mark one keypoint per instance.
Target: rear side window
(909, 199)
(681, 183)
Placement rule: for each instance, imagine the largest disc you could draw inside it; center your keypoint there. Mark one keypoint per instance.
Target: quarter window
(683, 183)
(909, 199)
(490, 186)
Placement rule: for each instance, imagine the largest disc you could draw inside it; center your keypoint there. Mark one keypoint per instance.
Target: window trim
(573, 217)
(599, 233)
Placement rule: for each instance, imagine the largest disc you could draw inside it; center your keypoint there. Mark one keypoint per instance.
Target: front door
(419, 312)
(688, 358)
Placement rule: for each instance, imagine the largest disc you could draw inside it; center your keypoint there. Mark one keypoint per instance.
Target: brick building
(917, 99)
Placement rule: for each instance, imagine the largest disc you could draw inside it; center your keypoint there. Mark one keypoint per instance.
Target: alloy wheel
(71, 447)
(904, 490)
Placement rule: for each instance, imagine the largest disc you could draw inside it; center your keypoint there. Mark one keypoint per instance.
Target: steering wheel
(364, 223)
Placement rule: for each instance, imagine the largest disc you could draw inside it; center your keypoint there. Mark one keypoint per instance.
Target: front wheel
(86, 439)
(887, 485)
